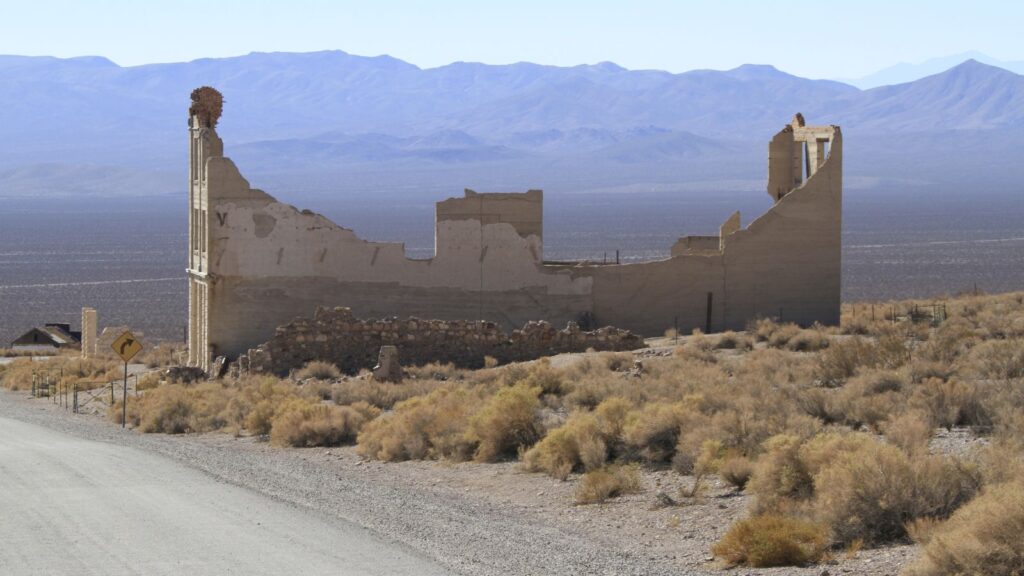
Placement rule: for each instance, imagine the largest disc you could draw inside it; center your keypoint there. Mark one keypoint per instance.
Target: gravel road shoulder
(476, 519)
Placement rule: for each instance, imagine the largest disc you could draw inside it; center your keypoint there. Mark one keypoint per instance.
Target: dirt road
(75, 506)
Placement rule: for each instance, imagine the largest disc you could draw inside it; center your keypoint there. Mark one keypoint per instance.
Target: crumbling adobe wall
(336, 336)
(256, 263)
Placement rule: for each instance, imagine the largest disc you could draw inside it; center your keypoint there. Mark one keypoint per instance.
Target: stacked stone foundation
(336, 336)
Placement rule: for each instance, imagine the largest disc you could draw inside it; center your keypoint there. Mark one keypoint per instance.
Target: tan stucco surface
(256, 264)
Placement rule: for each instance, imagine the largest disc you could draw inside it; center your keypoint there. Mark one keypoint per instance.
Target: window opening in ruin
(805, 150)
(195, 229)
(707, 321)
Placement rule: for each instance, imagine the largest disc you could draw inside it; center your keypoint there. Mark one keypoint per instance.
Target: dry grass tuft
(730, 340)
(597, 486)
(810, 340)
(737, 471)
(318, 370)
(771, 540)
(148, 381)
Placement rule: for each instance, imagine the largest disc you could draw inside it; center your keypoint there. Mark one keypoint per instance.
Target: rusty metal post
(124, 398)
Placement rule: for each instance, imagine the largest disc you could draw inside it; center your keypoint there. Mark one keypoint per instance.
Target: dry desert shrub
(868, 398)
(423, 427)
(318, 370)
(981, 538)
(762, 328)
(949, 341)
(773, 366)
(617, 361)
(699, 341)
(780, 478)
(17, 375)
(857, 486)
(697, 349)
(921, 530)
(586, 441)
(301, 423)
(736, 470)
(587, 384)
(653, 430)
(951, 403)
(910, 431)
(383, 395)
(848, 355)
(435, 371)
(233, 406)
(772, 540)
(872, 493)
(576, 443)
(774, 418)
(256, 402)
(781, 335)
(841, 361)
(863, 319)
(540, 375)
(170, 409)
(1003, 460)
(996, 360)
(730, 340)
(808, 340)
(599, 485)
(148, 381)
(507, 423)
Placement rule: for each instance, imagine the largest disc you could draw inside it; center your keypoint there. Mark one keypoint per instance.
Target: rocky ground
(475, 518)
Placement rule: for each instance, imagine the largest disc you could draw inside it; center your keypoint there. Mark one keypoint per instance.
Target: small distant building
(47, 337)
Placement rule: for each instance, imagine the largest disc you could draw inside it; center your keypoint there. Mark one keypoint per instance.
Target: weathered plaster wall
(271, 263)
(256, 264)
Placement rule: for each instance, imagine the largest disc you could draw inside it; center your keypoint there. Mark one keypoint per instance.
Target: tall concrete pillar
(206, 108)
(88, 333)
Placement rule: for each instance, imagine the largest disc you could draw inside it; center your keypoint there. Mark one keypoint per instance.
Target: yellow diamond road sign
(126, 346)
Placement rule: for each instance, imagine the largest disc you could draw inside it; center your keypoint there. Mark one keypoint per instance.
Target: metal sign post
(126, 346)
(124, 397)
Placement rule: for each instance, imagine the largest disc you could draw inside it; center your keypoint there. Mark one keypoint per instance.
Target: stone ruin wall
(256, 263)
(336, 336)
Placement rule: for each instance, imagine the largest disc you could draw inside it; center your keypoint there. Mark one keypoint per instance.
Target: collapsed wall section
(336, 336)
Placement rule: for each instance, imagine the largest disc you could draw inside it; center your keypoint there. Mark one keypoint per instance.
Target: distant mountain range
(88, 126)
(905, 72)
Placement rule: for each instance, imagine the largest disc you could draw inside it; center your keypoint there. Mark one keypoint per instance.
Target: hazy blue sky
(816, 38)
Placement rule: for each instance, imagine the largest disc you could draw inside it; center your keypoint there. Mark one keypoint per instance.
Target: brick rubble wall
(335, 336)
